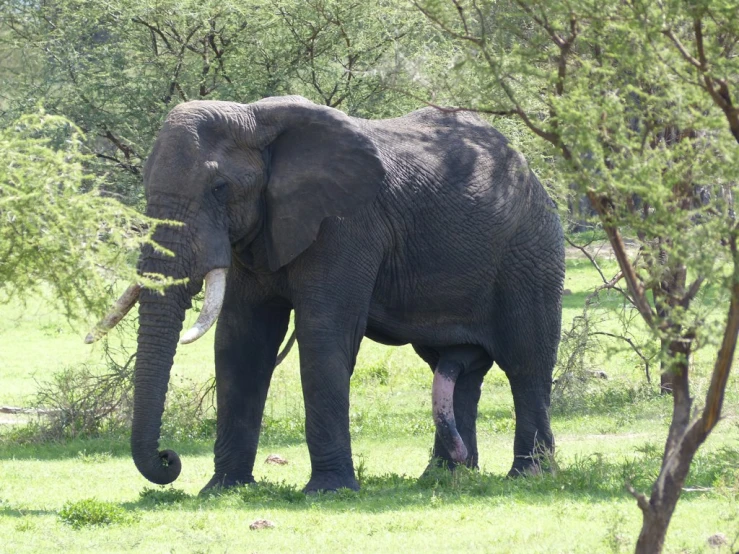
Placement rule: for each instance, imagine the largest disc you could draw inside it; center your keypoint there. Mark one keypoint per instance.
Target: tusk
(215, 290)
(119, 310)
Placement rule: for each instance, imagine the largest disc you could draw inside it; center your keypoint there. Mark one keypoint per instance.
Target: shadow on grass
(589, 479)
(91, 450)
(10, 511)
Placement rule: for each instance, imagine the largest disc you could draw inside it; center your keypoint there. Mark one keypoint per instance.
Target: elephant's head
(232, 174)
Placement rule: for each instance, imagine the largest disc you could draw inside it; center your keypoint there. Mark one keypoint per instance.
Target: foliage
(92, 512)
(271, 492)
(92, 400)
(189, 411)
(116, 69)
(83, 401)
(163, 495)
(56, 228)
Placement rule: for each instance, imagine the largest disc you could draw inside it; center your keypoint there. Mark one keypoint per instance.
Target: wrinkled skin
(428, 229)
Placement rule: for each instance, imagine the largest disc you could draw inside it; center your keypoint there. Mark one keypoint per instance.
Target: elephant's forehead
(176, 158)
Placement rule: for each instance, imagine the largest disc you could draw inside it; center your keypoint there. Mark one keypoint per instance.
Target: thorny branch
(636, 287)
(634, 347)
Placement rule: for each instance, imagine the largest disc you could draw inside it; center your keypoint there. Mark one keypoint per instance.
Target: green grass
(613, 437)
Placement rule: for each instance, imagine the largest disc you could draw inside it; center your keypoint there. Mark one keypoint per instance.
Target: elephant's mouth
(215, 291)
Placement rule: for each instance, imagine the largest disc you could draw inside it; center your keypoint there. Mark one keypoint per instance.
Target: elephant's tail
(285, 351)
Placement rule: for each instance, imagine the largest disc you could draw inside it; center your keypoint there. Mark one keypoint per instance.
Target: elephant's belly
(437, 291)
(428, 327)
(379, 335)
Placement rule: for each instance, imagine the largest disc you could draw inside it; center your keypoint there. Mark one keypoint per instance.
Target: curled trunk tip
(163, 469)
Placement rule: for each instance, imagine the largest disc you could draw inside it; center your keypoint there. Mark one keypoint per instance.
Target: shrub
(91, 400)
(264, 491)
(163, 495)
(91, 512)
(84, 401)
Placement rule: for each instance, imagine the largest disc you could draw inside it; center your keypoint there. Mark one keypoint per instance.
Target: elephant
(427, 229)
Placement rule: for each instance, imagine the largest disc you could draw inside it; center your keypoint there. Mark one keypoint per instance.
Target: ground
(612, 435)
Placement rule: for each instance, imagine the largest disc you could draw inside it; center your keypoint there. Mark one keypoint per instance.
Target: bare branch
(444, 27)
(632, 280)
(155, 30)
(587, 254)
(641, 499)
(634, 347)
(681, 48)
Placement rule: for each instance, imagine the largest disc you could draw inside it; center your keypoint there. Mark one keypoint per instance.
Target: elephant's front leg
(247, 340)
(328, 348)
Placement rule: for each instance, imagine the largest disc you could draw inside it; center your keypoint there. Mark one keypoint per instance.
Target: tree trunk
(665, 379)
(675, 463)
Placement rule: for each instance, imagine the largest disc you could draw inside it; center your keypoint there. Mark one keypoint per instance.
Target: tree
(116, 69)
(59, 237)
(630, 115)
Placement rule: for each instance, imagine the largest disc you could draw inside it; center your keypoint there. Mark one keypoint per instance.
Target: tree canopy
(59, 237)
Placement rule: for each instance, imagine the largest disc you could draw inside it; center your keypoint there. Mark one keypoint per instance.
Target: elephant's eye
(220, 188)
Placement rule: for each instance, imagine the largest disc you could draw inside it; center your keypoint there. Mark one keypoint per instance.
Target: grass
(613, 437)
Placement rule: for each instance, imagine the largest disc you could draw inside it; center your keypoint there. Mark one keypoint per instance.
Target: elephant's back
(454, 186)
(456, 200)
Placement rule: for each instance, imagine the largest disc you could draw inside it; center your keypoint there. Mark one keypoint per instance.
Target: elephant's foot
(519, 470)
(220, 482)
(331, 482)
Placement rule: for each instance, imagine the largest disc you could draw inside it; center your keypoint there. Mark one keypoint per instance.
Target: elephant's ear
(321, 164)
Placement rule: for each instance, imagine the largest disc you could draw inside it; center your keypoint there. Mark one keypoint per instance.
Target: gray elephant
(428, 229)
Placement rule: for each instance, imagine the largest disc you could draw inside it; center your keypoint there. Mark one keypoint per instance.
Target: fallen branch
(33, 411)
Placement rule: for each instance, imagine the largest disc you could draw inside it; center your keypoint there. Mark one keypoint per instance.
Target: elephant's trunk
(445, 378)
(160, 322)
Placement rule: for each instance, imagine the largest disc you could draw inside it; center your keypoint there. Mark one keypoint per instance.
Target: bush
(91, 400)
(163, 495)
(190, 412)
(265, 492)
(92, 512)
(85, 401)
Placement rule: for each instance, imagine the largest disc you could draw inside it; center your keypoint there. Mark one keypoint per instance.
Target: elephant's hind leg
(527, 350)
(533, 444)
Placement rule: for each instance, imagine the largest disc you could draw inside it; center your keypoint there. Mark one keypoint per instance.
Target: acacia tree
(59, 237)
(116, 69)
(633, 100)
